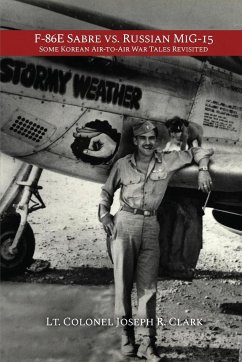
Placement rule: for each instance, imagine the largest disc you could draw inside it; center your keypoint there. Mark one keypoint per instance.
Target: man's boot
(128, 343)
(147, 349)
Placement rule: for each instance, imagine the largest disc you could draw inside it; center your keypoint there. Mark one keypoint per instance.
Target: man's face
(146, 143)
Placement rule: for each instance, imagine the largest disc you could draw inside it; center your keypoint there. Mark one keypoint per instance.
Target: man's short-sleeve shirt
(146, 192)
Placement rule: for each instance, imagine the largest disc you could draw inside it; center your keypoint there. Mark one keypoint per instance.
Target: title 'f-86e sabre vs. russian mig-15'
(54, 108)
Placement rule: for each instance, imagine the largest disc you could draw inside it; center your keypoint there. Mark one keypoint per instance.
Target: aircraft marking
(55, 80)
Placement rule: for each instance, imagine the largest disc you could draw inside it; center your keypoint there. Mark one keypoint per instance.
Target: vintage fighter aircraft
(54, 108)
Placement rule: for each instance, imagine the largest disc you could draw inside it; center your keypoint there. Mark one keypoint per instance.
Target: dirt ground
(69, 235)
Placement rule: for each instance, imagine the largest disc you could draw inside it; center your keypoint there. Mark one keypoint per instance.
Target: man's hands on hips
(204, 181)
(108, 223)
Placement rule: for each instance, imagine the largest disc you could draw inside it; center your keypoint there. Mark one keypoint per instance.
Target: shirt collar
(157, 156)
(132, 160)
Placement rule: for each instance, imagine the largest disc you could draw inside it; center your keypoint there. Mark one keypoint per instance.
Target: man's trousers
(135, 253)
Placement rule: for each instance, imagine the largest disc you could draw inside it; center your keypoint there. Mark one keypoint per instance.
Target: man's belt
(139, 211)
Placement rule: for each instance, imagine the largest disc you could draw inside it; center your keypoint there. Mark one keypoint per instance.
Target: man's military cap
(142, 127)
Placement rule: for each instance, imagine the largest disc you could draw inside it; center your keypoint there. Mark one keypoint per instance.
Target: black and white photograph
(121, 190)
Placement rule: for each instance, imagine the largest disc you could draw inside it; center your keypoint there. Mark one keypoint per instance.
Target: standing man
(143, 178)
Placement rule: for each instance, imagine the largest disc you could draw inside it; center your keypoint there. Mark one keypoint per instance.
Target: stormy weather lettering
(36, 76)
(55, 80)
(93, 88)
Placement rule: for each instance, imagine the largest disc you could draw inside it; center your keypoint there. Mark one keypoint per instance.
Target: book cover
(91, 69)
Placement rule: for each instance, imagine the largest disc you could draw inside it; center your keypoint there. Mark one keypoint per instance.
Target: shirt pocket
(159, 179)
(132, 186)
(159, 173)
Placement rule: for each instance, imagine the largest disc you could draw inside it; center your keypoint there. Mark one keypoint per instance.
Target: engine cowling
(230, 220)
